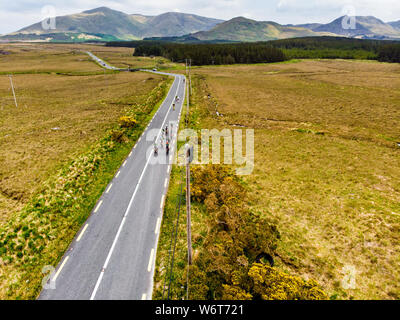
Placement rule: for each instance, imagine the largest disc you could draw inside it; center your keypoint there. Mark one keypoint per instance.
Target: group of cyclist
(165, 134)
(176, 100)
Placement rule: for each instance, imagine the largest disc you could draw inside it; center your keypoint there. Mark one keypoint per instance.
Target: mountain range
(104, 24)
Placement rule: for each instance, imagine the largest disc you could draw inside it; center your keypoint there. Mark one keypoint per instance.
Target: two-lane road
(113, 255)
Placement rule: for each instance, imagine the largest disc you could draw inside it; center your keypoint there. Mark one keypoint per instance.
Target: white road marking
(158, 225)
(109, 188)
(59, 270)
(124, 164)
(83, 231)
(144, 296)
(150, 261)
(130, 155)
(118, 174)
(126, 214)
(166, 182)
(162, 201)
(98, 206)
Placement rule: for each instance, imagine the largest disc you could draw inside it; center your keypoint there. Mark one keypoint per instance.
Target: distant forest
(214, 54)
(207, 53)
(339, 48)
(271, 51)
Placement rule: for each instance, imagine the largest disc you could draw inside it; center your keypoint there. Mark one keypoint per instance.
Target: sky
(16, 14)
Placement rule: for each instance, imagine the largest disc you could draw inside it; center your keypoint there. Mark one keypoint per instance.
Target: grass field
(82, 107)
(67, 106)
(327, 164)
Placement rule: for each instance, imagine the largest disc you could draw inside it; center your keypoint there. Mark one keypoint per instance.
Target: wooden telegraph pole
(190, 76)
(189, 159)
(12, 87)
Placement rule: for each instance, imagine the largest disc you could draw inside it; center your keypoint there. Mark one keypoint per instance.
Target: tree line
(213, 54)
(271, 51)
(339, 48)
(389, 53)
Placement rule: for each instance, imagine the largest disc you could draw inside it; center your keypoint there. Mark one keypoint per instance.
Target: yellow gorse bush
(127, 122)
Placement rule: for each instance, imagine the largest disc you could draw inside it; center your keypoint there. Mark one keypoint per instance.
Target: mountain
(242, 29)
(365, 28)
(310, 26)
(177, 24)
(395, 24)
(100, 22)
(104, 24)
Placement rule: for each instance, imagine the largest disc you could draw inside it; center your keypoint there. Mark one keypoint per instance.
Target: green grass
(39, 234)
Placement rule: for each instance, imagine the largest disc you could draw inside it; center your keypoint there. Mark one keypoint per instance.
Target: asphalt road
(113, 256)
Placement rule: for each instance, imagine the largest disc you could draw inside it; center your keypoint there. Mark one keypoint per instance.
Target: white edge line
(109, 188)
(162, 201)
(144, 296)
(158, 226)
(98, 206)
(83, 231)
(150, 266)
(59, 270)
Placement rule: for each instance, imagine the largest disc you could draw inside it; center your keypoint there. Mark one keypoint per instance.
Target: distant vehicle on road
(154, 69)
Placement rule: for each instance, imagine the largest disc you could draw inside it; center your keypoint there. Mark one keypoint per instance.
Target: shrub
(118, 136)
(269, 284)
(127, 122)
(226, 266)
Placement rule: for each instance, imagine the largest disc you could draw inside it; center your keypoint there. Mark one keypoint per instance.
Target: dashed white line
(109, 188)
(98, 206)
(59, 270)
(83, 231)
(158, 226)
(150, 261)
(166, 182)
(118, 174)
(144, 296)
(162, 201)
(130, 155)
(124, 164)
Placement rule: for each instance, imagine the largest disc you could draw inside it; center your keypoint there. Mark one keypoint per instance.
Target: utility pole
(188, 93)
(190, 76)
(12, 87)
(189, 159)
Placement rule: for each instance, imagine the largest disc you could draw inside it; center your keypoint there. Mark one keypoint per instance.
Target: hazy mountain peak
(109, 24)
(101, 10)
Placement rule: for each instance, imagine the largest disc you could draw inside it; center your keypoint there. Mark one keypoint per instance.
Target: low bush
(227, 265)
(127, 122)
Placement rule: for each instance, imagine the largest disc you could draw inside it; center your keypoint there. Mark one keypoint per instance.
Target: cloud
(21, 13)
